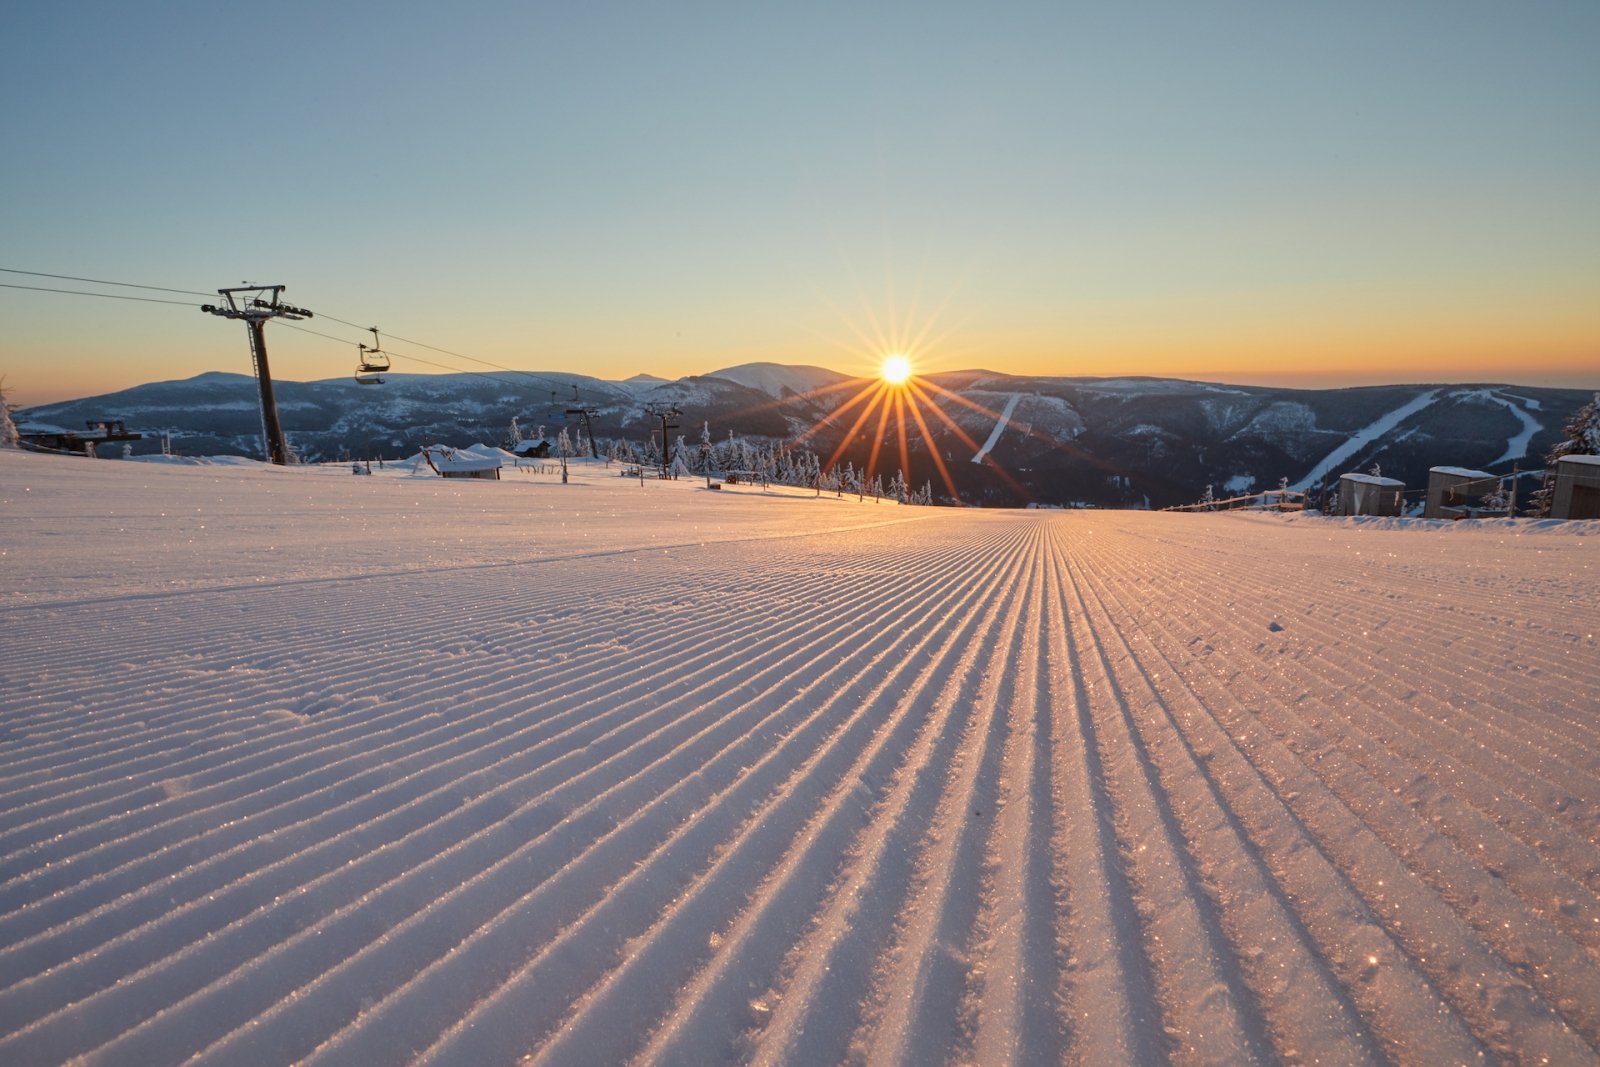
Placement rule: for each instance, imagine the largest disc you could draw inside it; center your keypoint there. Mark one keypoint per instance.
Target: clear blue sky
(1326, 193)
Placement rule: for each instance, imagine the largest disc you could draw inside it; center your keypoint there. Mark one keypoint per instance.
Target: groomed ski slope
(301, 767)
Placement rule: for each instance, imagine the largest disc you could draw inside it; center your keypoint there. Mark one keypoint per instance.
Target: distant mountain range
(1107, 442)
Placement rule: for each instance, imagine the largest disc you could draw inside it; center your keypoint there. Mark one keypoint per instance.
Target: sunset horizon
(1328, 198)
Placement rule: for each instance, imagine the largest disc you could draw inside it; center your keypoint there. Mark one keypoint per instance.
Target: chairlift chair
(371, 362)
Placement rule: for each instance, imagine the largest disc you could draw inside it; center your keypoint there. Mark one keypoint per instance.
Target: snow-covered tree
(513, 434)
(708, 454)
(1582, 438)
(564, 443)
(8, 428)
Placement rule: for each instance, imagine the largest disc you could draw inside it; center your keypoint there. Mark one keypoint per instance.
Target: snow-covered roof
(1460, 472)
(453, 459)
(1587, 461)
(491, 451)
(1371, 479)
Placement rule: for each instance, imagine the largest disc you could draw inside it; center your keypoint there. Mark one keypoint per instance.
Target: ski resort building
(46, 438)
(530, 449)
(1369, 494)
(1577, 493)
(1455, 492)
(461, 463)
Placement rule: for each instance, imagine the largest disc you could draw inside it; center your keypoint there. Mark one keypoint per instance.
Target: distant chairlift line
(371, 361)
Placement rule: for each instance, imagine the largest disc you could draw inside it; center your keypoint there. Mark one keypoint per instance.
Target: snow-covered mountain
(1053, 440)
(779, 380)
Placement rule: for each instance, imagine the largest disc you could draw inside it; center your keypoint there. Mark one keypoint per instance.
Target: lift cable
(459, 355)
(108, 296)
(334, 318)
(399, 355)
(97, 281)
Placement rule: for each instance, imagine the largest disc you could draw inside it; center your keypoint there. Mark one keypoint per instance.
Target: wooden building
(1455, 492)
(46, 438)
(1577, 493)
(460, 463)
(1369, 494)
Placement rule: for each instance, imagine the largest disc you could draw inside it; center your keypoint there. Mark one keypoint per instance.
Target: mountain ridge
(993, 438)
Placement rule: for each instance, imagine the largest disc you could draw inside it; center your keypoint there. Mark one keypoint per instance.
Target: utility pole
(666, 441)
(255, 311)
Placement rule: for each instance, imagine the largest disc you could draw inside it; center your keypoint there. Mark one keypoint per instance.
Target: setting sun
(896, 369)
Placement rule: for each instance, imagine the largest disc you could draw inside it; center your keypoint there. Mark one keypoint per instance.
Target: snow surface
(1364, 437)
(305, 767)
(779, 379)
(1517, 445)
(999, 428)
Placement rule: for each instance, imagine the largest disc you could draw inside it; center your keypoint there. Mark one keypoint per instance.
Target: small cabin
(457, 463)
(48, 438)
(1455, 492)
(1577, 492)
(531, 449)
(1368, 494)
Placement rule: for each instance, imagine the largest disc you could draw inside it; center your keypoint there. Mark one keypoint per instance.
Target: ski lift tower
(667, 425)
(584, 415)
(255, 304)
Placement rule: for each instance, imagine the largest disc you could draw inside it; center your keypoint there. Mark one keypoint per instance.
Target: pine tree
(1582, 439)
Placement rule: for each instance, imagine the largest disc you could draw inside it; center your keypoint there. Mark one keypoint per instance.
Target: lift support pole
(666, 442)
(255, 311)
(585, 414)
